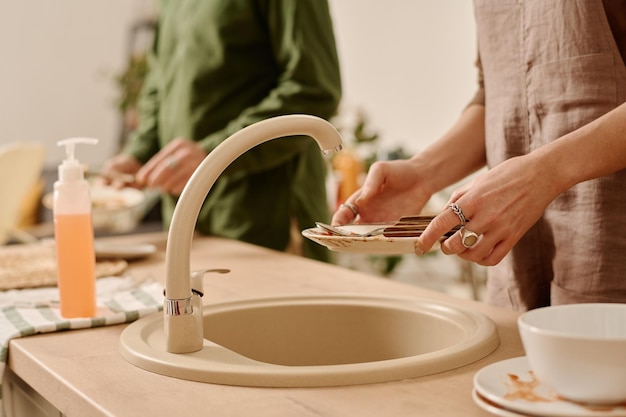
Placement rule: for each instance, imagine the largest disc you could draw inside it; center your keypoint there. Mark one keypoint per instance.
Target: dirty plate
(492, 407)
(370, 245)
(510, 385)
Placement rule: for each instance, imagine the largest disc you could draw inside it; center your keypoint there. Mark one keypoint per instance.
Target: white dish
(106, 199)
(112, 209)
(113, 250)
(373, 245)
(492, 407)
(562, 344)
(511, 385)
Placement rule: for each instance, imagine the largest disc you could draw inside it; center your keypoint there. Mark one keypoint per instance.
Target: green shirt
(220, 65)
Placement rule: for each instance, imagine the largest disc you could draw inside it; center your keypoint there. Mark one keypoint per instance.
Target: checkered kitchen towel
(33, 311)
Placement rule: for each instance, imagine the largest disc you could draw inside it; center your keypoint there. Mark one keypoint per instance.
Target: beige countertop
(82, 373)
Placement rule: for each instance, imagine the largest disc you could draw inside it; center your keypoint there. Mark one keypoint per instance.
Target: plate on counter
(379, 245)
(509, 387)
(492, 407)
(105, 250)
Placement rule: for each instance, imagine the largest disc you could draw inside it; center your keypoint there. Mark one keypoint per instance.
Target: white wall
(58, 60)
(407, 63)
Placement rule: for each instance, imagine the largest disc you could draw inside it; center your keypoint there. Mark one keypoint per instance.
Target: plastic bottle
(350, 169)
(73, 233)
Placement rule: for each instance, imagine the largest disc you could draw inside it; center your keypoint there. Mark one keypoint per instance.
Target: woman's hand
(500, 205)
(391, 189)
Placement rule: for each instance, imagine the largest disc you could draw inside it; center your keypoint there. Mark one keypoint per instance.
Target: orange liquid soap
(76, 264)
(73, 232)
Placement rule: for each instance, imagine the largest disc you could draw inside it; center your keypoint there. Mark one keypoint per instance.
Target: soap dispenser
(73, 232)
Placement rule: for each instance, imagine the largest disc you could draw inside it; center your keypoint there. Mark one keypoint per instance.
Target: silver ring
(457, 210)
(352, 207)
(171, 162)
(468, 238)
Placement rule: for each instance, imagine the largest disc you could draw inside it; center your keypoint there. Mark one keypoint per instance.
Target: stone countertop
(82, 373)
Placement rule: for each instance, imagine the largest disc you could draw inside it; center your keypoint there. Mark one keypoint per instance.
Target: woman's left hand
(500, 205)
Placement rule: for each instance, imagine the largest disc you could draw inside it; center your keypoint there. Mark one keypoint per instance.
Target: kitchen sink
(294, 341)
(317, 340)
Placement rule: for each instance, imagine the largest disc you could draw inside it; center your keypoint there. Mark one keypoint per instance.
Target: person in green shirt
(216, 67)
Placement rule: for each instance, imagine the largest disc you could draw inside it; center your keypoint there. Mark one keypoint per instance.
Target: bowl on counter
(579, 350)
(113, 210)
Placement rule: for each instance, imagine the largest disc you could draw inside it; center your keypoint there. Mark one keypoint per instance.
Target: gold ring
(468, 238)
(352, 207)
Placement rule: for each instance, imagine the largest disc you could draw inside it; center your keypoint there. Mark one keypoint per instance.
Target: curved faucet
(182, 310)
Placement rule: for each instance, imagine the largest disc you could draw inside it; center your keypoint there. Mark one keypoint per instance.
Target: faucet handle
(176, 307)
(197, 286)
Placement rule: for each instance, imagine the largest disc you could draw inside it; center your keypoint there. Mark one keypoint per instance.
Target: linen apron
(550, 67)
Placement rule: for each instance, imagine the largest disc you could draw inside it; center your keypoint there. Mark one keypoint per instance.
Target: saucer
(492, 407)
(375, 245)
(510, 386)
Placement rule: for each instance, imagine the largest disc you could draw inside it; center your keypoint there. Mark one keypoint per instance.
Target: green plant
(130, 82)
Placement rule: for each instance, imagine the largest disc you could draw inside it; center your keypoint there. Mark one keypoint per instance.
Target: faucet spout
(183, 320)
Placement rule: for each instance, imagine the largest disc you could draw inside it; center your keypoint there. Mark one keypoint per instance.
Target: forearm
(595, 150)
(458, 153)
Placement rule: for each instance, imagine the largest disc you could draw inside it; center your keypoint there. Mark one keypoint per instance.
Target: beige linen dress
(550, 67)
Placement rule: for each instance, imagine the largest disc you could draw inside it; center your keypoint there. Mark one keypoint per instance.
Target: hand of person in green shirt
(120, 171)
(168, 170)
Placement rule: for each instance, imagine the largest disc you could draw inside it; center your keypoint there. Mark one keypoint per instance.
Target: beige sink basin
(324, 340)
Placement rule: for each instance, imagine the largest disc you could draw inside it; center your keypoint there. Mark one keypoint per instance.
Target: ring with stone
(171, 162)
(352, 208)
(457, 210)
(468, 238)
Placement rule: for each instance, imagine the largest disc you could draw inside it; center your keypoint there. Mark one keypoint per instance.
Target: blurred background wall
(408, 64)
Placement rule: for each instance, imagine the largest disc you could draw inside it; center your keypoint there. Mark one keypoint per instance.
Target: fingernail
(418, 250)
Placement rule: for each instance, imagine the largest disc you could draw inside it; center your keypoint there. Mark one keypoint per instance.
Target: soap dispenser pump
(73, 232)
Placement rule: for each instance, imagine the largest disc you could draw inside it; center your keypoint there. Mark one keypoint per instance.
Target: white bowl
(579, 350)
(113, 210)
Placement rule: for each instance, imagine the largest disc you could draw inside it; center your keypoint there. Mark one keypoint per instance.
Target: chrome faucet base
(178, 307)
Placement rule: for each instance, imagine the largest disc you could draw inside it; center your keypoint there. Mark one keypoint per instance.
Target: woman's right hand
(392, 189)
